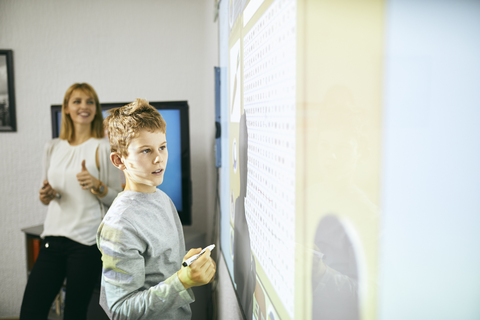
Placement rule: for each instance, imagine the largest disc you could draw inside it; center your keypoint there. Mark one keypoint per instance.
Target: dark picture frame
(8, 121)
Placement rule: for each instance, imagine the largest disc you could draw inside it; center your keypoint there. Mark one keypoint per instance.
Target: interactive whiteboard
(332, 162)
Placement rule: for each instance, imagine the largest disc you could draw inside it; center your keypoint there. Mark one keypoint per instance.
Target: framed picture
(7, 92)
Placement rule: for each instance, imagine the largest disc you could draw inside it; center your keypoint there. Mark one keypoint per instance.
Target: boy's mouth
(159, 171)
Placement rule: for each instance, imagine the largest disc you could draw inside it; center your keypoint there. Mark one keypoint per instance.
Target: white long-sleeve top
(78, 213)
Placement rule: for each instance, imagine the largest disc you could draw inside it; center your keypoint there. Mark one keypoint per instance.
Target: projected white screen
(262, 124)
(269, 106)
(294, 223)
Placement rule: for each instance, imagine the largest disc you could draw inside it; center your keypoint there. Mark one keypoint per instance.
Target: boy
(141, 236)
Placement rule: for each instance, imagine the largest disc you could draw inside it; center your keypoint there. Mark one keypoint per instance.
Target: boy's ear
(117, 160)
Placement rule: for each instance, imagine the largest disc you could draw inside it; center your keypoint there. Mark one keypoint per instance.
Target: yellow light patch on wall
(339, 68)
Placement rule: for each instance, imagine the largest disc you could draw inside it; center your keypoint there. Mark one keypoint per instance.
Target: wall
(431, 156)
(228, 307)
(157, 50)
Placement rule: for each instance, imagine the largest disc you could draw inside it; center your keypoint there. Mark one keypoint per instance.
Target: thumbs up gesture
(86, 180)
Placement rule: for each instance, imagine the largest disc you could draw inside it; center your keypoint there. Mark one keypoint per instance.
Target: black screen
(177, 181)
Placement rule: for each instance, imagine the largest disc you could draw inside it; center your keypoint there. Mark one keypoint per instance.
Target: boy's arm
(123, 277)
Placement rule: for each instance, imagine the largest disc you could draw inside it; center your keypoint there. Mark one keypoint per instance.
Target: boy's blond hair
(124, 123)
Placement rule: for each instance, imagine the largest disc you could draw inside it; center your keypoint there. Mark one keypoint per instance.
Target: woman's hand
(47, 193)
(86, 180)
(200, 272)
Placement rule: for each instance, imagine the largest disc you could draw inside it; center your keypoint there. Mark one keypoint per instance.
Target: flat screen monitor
(177, 180)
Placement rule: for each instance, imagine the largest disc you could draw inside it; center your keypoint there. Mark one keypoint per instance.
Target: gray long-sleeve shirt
(142, 247)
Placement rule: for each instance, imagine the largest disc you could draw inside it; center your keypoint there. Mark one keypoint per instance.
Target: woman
(79, 183)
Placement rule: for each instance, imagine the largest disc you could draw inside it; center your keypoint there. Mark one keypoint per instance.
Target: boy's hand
(200, 272)
(47, 193)
(86, 180)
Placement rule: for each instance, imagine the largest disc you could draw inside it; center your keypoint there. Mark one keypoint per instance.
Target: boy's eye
(163, 147)
(146, 151)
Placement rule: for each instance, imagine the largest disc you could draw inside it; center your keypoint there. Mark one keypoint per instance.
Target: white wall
(152, 49)
(431, 174)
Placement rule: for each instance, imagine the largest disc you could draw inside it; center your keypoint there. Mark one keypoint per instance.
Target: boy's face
(146, 161)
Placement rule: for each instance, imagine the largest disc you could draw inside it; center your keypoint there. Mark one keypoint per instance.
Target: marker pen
(190, 260)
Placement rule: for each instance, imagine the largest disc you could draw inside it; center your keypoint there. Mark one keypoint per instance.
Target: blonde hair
(124, 123)
(66, 129)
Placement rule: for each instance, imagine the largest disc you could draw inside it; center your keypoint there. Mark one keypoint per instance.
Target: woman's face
(81, 108)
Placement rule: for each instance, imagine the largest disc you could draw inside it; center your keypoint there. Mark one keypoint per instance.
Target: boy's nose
(158, 159)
